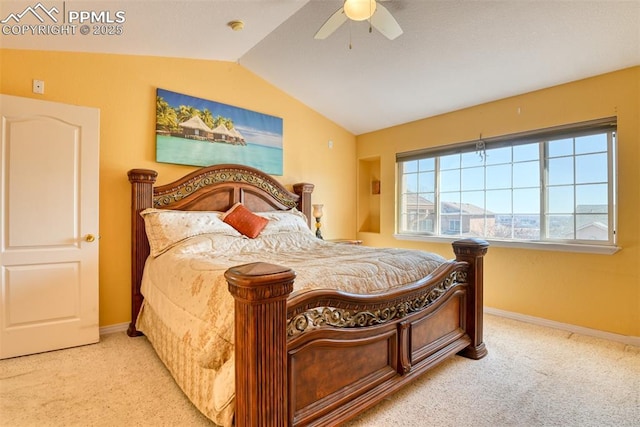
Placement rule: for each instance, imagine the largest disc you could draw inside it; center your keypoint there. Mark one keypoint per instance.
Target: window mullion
(460, 227)
(484, 188)
(436, 197)
(543, 190)
(611, 185)
(575, 192)
(513, 225)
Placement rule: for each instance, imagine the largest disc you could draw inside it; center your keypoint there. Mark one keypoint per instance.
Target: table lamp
(317, 214)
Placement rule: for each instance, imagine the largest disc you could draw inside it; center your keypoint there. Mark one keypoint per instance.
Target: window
(553, 185)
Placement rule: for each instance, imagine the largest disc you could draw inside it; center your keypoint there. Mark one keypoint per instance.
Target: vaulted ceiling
(452, 54)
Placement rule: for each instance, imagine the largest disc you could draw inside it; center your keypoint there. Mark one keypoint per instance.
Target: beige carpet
(533, 376)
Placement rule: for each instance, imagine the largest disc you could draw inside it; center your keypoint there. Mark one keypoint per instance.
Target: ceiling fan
(359, 10)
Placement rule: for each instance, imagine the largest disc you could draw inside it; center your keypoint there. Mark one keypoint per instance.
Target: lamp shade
(317, 211)
(359, 10)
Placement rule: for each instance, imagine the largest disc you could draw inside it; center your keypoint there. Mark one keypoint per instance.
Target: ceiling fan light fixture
(359, 10)
(236, 25)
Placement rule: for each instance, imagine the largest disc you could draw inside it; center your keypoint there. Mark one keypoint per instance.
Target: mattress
(188, 311)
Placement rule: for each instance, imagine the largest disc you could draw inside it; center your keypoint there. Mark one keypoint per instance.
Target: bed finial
(260, 291)
(304, 190)
(142, 181)
(473, 251)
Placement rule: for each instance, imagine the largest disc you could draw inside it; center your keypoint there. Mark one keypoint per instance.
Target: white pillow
(165, 227)
(284, 221)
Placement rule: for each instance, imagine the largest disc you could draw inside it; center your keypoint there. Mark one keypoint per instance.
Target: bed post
(260, 291)
(304, 190)
(142, 181)
(472, 251)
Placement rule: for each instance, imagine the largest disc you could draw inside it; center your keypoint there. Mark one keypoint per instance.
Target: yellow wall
(123, 88)
(594, 291)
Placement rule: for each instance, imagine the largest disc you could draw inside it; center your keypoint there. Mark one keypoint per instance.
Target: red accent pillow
(245, 221)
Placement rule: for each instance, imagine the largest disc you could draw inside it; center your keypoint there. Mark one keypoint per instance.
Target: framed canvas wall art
(198, 132)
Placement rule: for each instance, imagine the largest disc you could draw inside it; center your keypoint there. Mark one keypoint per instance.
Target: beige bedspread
(185, 287)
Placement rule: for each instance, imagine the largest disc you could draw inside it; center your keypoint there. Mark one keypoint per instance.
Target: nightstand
(346, 241)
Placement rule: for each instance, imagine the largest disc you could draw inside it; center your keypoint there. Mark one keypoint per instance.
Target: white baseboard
(624, 339)
(112, 329)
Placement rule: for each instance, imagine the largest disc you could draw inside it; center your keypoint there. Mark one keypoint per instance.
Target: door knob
(90, 238)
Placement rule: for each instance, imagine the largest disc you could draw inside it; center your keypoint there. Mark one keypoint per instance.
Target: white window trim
(602, 248)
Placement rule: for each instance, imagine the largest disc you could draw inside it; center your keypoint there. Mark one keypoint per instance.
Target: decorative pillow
(166, 227)
(284, 221)
(245, 221)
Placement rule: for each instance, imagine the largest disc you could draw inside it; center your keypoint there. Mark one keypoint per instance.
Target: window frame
(541, 137)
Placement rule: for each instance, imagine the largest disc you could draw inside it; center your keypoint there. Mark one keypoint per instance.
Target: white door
(49, 160)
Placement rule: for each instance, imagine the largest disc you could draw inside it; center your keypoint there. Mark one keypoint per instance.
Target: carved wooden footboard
(321, 357)
(317, 357)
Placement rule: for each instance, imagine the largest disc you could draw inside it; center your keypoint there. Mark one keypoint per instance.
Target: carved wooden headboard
(213, 188)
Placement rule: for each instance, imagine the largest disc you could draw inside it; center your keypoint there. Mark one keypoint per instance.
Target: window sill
(542, 246)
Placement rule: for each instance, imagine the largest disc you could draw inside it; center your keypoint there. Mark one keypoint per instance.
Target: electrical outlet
(38, 86)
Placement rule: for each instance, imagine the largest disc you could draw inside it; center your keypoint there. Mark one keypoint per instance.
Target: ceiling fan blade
(332, 24)
(383, 21)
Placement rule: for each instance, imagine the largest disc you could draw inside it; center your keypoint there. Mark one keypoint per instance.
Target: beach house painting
(199, 132)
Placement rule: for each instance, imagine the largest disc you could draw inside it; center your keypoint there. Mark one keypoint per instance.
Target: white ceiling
(453, 54)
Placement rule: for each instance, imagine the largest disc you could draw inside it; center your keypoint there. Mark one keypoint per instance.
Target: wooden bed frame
(296, 365)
